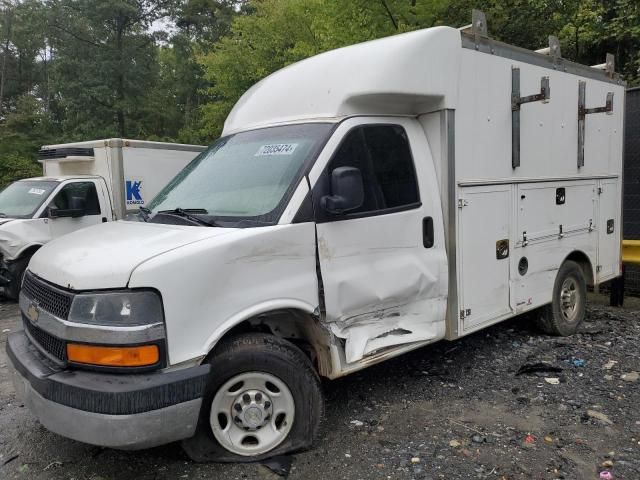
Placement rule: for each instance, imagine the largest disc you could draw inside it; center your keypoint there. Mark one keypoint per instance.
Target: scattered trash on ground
(11, 458)
(540, 367)
(578, 362)
(54, 464)
(280, 465)
(599, 416)
(630, 377)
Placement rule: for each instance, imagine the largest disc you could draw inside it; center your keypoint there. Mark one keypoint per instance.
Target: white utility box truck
(83, 184)
(360, 204)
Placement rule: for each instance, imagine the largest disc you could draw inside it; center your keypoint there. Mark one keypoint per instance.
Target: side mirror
(347, 191)
(77, 208)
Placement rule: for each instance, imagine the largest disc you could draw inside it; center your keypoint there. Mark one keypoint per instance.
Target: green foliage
(14, 167)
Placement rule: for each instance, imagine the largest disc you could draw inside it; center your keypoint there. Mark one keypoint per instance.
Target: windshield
(22, 199)
(246, 176)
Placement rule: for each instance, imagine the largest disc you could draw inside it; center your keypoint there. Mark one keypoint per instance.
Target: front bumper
(111, 410)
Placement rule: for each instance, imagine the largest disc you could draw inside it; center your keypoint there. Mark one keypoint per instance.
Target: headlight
(124, 308)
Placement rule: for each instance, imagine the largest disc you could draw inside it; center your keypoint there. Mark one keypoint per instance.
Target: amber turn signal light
(141, 356)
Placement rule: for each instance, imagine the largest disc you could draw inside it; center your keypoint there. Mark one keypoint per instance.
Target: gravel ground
(455, 410)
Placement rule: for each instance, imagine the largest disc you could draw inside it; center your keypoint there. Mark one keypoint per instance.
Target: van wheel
(566, 311)
(17, 270)
(263, 399)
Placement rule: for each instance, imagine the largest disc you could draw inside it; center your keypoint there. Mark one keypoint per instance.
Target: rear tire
(263, 399)
(565, 313)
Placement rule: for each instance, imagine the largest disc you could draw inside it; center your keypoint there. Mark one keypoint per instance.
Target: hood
(104, 256)
(4, 220)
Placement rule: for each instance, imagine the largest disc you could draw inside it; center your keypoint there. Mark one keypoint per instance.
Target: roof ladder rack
(553, 50)
(477, 28)
(609, 66)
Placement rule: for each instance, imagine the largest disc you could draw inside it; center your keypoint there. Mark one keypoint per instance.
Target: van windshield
(23, 198)
(244, 178)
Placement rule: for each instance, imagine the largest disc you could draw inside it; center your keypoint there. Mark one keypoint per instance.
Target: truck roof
(59, 178)
(125, 142)
(402, 74)
(406, 74)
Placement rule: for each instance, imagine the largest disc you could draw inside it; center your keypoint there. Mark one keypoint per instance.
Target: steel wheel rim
(252, 413)
(569, 299)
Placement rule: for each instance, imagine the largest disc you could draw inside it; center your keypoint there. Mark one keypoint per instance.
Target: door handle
(427, 232)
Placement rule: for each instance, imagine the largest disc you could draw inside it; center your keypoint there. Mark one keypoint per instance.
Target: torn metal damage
(369, 333)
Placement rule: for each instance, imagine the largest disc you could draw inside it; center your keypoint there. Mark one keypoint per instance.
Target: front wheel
(566, 311)
(263, 399)
(17, 270)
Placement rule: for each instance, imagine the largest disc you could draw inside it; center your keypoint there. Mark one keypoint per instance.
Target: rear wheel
(566, 311)
(263, 399)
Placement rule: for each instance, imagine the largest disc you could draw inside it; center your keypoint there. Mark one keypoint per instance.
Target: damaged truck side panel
(385, 271)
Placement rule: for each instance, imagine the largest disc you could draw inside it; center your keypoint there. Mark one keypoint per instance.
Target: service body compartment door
(608, 230)
(484, 248)
(383, 265)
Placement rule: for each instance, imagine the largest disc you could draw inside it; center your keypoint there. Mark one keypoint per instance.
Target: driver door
(93, 214)
(383, 265)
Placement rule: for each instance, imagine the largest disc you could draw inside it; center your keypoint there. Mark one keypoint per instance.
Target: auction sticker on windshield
(36, 191)
(276, 149)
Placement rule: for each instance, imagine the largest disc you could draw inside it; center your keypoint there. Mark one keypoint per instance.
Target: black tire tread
(256, 344)
(17, 269)
(549, 318)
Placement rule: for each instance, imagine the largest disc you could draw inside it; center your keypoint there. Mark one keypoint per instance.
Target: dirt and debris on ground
(504, 403)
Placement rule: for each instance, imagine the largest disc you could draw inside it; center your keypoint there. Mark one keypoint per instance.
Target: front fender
(18, 236)
(209, 286)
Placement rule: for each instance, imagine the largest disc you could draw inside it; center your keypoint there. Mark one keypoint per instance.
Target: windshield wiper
(144, 213)
(3, 215)
(190, 214)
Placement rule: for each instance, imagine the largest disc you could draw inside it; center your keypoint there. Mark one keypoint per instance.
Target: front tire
(565, 313)
(17, 270)
(263, 399)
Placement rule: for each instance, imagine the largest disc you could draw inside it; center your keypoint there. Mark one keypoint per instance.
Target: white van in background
(83, 184)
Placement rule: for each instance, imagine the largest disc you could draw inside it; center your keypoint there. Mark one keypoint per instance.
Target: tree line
(170, 70)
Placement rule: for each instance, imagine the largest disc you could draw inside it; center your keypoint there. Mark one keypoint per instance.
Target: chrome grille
(50, 299)
(47, 342)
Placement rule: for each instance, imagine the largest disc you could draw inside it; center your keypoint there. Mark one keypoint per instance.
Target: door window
(383, 156)
(84, 190)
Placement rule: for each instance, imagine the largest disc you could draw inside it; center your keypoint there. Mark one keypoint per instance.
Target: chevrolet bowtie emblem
(33, 312)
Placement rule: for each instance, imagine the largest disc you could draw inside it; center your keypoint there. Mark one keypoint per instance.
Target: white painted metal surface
(212, 285)
(382, 287)
(405, 74)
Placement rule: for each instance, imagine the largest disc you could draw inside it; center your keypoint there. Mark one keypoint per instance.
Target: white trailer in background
(83, 184)
(360, 204)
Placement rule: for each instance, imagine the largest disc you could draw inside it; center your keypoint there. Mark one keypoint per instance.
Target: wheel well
(29, 251)
(585, 264)
(298, 327)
